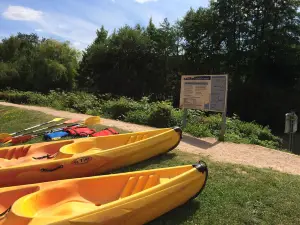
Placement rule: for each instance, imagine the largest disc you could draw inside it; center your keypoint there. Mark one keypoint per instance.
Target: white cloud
(76, 43)
(145, 1)
(22, 13)
(78, 31)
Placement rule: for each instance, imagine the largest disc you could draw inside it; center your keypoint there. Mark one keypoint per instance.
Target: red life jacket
(105, 132)
(82, 131)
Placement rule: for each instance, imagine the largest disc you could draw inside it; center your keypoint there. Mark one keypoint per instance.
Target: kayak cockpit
(13, 156)
(37, 153)
(82, 196)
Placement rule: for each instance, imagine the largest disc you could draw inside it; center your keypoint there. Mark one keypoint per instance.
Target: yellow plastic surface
(81, 157)
(126, 198)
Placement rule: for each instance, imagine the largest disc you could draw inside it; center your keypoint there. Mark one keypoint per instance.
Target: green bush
(160, 115)
(81, 102)
(117, 109)
(157, 114)
(37, 99)
(138, 117)
(198, 130)
(176, 117)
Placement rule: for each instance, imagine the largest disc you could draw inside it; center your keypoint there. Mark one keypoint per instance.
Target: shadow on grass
(197, 142)
(181, 213)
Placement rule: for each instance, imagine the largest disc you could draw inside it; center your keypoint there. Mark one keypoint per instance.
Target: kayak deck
(59, 160)
(37, 153)
(103, 199)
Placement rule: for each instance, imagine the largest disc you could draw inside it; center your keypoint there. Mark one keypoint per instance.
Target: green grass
(13, 119)
(233, 195)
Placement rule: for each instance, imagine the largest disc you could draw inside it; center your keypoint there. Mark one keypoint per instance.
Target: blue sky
(77, 20)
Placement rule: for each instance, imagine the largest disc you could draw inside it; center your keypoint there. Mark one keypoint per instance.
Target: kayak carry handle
(51, 170)
(48, 156)
(5, 212)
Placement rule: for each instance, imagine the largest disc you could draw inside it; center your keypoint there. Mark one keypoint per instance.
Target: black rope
(5, 212)
(48, 156)
(51, 170)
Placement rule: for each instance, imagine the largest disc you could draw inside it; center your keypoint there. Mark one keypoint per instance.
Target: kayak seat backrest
(139, 183)
(135, 138)
(14, 153)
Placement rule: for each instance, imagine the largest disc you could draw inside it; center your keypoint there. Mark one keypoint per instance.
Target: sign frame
(207, 96)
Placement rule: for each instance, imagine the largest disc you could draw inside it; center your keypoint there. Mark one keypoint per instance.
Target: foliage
(157, 114)
(160, 115)
(28, 63)
(138, 116)
(117, 109)
(255, 42)
(131, 62)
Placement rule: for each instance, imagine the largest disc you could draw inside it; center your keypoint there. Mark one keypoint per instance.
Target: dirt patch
(243, 154)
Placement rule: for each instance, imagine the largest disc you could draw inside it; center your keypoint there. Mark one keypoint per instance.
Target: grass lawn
(233, 195)
(13, 119)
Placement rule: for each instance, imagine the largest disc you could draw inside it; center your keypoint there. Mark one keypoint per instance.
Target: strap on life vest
(105, 132)
(82, 131)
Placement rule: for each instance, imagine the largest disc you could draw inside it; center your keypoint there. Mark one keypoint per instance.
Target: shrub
(157, 114)
(138, 117)
(117, 109)
(160, 115)
(198, 130)
(176, 117)
(82, 102)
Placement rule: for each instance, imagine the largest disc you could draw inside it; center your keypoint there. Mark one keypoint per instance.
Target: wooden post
(223, 124)
(184, 118)
(223, 127)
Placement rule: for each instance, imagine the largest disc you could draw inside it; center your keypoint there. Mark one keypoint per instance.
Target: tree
(56, 66)
(101, 36)
(28, 63)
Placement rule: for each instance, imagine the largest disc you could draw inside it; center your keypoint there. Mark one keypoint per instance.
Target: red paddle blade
(21, 139)
(72, 121)
(6, 139)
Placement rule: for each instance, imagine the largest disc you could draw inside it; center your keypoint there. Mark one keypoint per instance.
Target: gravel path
(244, 154)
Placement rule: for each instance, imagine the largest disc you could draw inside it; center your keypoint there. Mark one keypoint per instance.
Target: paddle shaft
(28, 137)
(29, 128)
(44, 128)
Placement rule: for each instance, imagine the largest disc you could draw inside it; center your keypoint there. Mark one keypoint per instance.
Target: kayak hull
(82, 157)
(126, 198)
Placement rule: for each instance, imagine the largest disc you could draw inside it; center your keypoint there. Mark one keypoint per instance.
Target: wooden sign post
(205, 92)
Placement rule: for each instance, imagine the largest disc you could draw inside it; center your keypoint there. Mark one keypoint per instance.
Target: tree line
(256, 42)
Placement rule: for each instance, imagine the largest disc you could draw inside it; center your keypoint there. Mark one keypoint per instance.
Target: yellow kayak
(125, 198)
(48, 161)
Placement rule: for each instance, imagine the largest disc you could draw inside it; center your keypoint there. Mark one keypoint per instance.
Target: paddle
(46, 128)
(17, 139)
(24, 138)
(9, 139)
(5, 136)
(88, 122)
